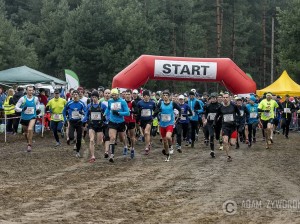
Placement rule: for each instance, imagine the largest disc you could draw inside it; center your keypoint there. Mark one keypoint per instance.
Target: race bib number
(287, 110)
(228, 117)
(165, 117)
(75, 115)
(29, 110)
(96, 116)
(253, 115)
(267, 114)
(146, 113)
(183, 118)
(241, 113)
(57, 116)
(211, 116)
(116, 106)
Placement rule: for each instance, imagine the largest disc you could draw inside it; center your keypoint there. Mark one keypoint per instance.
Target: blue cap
(253, 98)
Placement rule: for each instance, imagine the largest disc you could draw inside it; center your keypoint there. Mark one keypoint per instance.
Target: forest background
(98, 38)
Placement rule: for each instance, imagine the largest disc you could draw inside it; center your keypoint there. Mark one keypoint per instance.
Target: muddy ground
(52, 186)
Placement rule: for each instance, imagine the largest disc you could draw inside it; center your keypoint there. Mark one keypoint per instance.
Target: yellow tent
(282, 86)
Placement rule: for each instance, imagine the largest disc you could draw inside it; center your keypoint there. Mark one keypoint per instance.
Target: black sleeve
(175, 106)
(11, 101)
(237, 111)
(205, 110)
(157, 109)
(280, 107)
(134, 107)
(197, 106)
(190, 112)
(218, 114)
(246, 111)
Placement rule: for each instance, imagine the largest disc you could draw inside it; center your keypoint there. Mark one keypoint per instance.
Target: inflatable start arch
(222, 70)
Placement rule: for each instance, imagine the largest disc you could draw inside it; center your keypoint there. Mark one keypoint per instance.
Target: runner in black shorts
(228, 110)
(94, 115)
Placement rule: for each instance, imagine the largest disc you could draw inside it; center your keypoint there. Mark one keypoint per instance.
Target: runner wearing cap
(210, 111)
(94, 117)
(287, 110)
(182, 127)
(196, 108)
(116, 109)
(56, 107)
(104, 105)
(267, 107)
(252, 120)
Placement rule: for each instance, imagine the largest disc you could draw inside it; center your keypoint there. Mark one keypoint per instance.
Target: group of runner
(109, 114)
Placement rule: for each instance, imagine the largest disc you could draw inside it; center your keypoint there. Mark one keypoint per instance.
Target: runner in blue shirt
(116, 109)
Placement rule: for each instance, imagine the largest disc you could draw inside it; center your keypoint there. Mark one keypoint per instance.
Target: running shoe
(147, 151)
(111, 159)
(29, 148)
(125, 151)
(106, 155)
(249, 144)
(221, 147)
(229, 159)
(57, 144)
(193, 145)
(171, 150)
(179, 149)
(77, 155)
(92, 160)
(212, 154)
(132, 154)
(164, 152)
(187, 143)
(254, 140)
(168, 158)
(68, 141)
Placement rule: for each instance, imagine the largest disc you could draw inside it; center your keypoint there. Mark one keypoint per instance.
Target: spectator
(2, 98)
(42, 97)
(9, 110)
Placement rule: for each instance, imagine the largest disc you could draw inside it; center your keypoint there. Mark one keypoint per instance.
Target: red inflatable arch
(222, 70)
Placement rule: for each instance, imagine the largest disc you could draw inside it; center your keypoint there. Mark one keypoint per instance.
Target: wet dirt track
(52, 186)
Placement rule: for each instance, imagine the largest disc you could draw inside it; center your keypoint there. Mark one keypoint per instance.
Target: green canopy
(26, 75)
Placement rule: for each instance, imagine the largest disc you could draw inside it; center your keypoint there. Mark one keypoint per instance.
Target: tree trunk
(218, 28)
(233, 32)
(264, 47)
